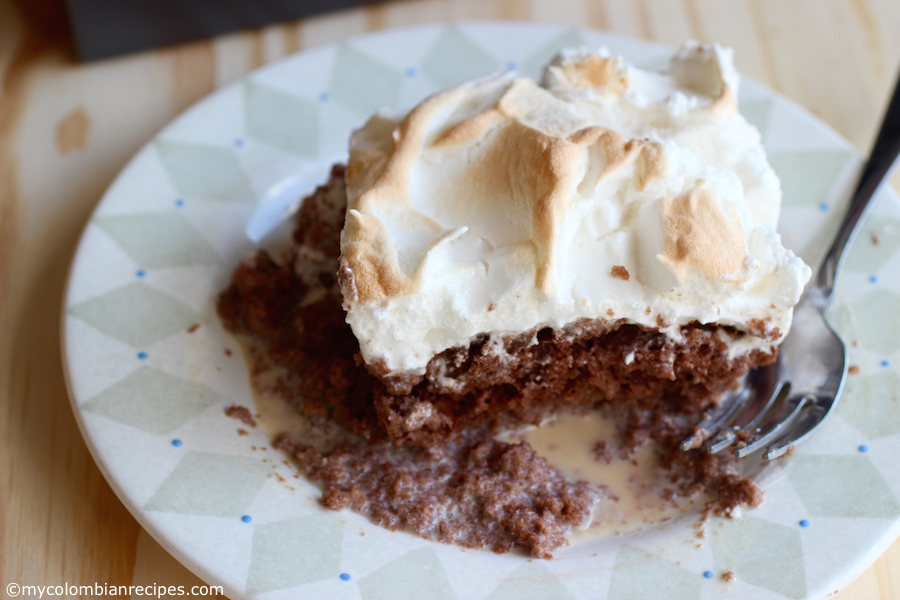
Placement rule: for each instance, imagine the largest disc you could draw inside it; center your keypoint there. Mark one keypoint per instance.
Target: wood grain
(59, 518)
(66, 129)
(193, 69)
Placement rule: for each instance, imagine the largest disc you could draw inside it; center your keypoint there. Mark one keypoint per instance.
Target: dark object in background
(105, 28)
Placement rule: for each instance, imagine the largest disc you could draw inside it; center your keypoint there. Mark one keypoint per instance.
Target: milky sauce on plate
(635, 485)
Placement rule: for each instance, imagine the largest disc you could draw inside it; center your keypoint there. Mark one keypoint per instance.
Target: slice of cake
(506, 252)
(511, 248)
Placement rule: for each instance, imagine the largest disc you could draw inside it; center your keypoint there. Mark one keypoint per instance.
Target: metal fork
(780, 405)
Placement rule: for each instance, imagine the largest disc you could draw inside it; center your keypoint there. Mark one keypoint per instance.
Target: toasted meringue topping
(699, 234)
(501, 205)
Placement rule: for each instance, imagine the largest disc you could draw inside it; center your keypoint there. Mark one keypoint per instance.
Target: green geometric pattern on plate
(531, 580)
(153, 401)
(210, 485)
(286, 121)
(867, 255)
(414, 576)
(533, 64)
(136, 314)
(807, 176)
(139, 236)
(842, 486)
(757, 113)
(454, 58)
(205, 172)
(764, 554)
(362, 82)
(294, 552)
(639, 575)
(872, 404)
(872, 319)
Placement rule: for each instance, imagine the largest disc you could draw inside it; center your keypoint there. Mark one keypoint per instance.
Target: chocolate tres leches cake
(509, 251)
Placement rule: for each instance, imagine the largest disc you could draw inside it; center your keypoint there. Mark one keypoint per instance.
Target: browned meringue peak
(592, 71)
(705, 71)
(700, 235)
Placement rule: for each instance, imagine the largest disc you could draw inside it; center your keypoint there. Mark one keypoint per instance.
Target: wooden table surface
(67, 128)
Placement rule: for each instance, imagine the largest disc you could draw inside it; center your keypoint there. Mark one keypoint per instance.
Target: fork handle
(879, 164)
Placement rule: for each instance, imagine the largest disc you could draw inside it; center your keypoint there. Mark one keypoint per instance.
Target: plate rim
(147, 523)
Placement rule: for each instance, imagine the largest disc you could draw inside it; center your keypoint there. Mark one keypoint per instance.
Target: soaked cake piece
(473, 491)
(508, 251)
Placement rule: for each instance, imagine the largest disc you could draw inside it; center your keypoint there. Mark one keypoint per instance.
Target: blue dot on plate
(179, 202)
(804, 523)
(863, 448)
(238, 142)
(140, 272)
(885, 363)
(177, 443)
(512, 65)
(708, 574)
(412, 72)
(246, 518)
(874, 278)
(345, 576)
(324, 97)
(142, 355)
(823, 207)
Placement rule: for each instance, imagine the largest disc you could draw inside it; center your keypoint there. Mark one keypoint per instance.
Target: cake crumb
(853, 370)
(241, 413)
(227, 351)
(876, 237)
(698, 436)
(729, 576)
(620, 272)
(193, 328)
(491, 306)
(700, 528)
(602, 452)
(243, 432)
(476, 492)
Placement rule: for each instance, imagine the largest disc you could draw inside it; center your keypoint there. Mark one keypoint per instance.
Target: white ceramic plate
(149, 395)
